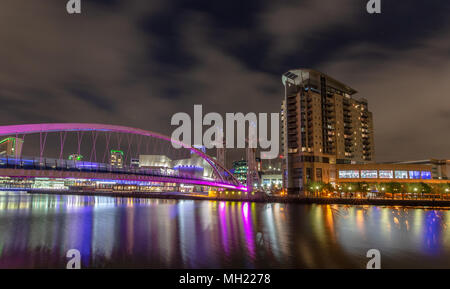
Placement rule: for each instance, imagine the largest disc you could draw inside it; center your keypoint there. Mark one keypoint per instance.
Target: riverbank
(267, 199)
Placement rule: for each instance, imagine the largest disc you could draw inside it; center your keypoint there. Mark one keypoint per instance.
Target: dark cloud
(91, 96)
(138, 62)
(445, 114)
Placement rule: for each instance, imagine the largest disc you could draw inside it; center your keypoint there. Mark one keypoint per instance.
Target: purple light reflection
(248, 228)
(224, 227)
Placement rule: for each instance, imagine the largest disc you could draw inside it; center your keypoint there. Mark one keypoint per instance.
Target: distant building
(240, 169)
(194, 165)
(200, 148)
(11, 146)
(323, 124)
(272, 165)
(272, 180)
(116, 159)
(154, 161)
(134, 163)
(190, 170)
(258, 164)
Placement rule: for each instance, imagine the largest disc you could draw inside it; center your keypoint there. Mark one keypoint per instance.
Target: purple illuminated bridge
(54, 143)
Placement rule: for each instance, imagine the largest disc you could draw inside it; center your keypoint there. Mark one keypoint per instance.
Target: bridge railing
(30, 163)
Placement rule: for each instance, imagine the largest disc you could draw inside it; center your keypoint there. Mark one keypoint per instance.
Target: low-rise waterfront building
(382, 173)
(440, 169)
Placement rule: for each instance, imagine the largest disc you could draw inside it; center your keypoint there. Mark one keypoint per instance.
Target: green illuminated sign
(116, 151)
(76, 157)
(13, 139)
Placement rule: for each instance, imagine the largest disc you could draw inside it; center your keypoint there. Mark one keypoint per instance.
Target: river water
(36, 231)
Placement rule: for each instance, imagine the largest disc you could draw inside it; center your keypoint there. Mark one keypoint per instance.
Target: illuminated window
(426, 175)
(415, 175)
(386, 174)
(349, 174)
(401, 174)
(369, 174)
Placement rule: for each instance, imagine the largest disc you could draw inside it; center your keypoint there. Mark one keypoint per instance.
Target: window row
(384, 174)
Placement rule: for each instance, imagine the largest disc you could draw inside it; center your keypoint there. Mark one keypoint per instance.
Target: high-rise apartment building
(239, 170)
(323, 124)
(116, 159)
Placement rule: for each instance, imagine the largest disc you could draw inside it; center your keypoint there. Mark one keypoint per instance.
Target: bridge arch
(24, 129)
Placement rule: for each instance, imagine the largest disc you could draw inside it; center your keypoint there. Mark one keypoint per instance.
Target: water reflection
(37, 231)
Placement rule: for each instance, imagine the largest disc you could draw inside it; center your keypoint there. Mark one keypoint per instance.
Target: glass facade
(386, 174)
(352, 174)
(240, 170)
(401, 174)
(425, 175)
(369, 174)
(414, 175)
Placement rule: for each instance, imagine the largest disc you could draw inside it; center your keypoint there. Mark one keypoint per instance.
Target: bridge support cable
(93, 149)
(42, 146)
(138, 142)
(79, 140)
(140, 137)
(127, 153)
(107, 141)
(62, 140)
(119, 140)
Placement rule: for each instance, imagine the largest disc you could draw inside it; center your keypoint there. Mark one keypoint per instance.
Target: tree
(327, 188)
(426, 189)
(364, 188)
(436, 190)
(387, 188)
(350, 188)
(413, 188)
(314, 187)
(395, 188)
(339, 189)
(444, 190)
(403, 190)
(383, 188)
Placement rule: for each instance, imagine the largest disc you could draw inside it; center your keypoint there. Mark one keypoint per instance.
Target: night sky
(136, 63)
